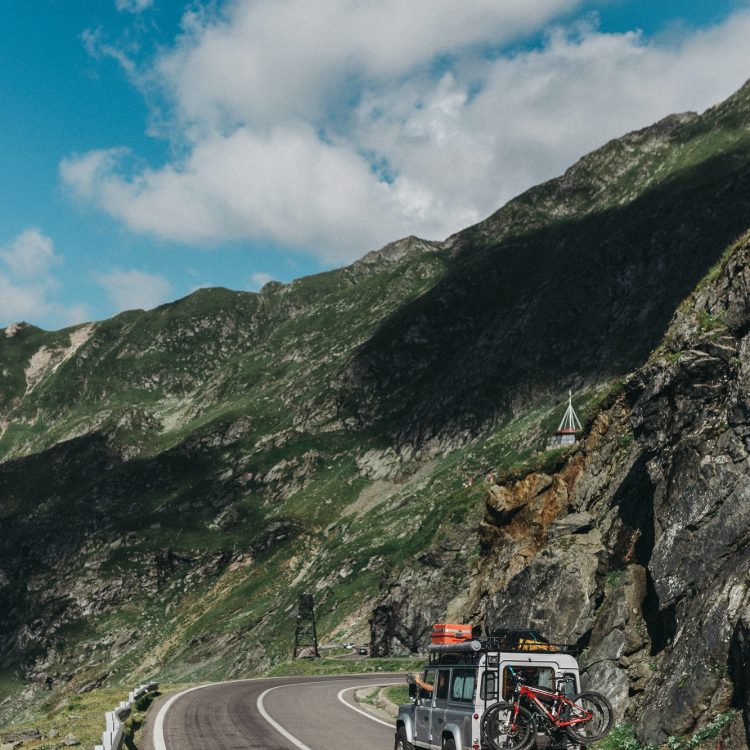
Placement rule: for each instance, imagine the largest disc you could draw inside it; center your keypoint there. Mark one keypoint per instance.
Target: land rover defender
(463, 679)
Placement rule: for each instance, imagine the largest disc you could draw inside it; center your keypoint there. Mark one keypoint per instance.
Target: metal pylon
(570, 421)
(305, 634)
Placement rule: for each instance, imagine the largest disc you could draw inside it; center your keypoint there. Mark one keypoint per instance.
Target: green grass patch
(614, 577)
(397, 694)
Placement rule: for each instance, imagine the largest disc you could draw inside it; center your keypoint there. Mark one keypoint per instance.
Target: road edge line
(340, 696)
(283, 732)
(159, 743)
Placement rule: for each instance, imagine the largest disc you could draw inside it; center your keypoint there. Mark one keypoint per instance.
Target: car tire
(600, 724)
(449, 743)
(401, 742)
(500, 733)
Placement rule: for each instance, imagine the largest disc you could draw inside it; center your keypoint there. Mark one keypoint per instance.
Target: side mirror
(413, 690)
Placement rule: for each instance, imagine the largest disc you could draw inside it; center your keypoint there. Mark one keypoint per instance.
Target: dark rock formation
(639, 547)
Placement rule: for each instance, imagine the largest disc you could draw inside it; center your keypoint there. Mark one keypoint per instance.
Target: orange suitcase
(447, 633)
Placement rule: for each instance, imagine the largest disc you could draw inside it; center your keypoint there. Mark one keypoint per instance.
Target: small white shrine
(569, 426)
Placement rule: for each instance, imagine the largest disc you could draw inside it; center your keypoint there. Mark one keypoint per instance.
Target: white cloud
(133, 6)
(129, 290)
(259, 279)
(538, 112)
(266, 61)
(30, 254)
(287, 186)
(31, 302)
(98, 48)
(28, 289)
(274, 148)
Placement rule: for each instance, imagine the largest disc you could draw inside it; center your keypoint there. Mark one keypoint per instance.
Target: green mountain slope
(171, 480)
(573, 282)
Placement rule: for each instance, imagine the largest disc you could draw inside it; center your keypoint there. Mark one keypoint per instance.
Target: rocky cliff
(638, 548)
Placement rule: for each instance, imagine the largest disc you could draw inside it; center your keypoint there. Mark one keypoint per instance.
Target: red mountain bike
(508, 725)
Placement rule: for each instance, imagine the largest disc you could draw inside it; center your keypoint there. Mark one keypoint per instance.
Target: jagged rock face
(739, 667)
(677, 516)
(639, 547)
(690, 416)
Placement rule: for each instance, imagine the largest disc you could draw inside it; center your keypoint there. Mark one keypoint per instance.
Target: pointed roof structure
(569, 426)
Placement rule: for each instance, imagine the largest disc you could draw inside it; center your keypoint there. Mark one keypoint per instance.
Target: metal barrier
(114, 733)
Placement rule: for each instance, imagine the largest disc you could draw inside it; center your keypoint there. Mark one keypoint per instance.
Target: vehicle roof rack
(530, 646)
(448, 652)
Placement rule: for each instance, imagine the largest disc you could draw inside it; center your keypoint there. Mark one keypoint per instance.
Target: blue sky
(150, 147)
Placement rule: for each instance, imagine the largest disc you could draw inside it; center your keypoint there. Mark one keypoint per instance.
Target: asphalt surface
(290, 713)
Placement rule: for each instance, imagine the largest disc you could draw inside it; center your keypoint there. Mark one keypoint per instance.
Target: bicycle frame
(579, 715)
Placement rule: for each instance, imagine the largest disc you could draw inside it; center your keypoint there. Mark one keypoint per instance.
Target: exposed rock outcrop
(638, 548)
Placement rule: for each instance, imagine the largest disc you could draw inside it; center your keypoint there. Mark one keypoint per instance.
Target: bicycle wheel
(601, 717)
(500, 732)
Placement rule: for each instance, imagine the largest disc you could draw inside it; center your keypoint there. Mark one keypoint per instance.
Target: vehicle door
(439, 706)
(423, 710)
(461, 702)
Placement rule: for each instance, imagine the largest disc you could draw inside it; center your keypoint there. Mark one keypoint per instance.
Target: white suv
(467, 679)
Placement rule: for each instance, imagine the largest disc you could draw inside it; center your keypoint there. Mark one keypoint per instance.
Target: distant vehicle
(362, 652)
(347, 645)
(473, 695)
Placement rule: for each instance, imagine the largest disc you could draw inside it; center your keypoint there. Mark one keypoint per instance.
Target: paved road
(291, 713)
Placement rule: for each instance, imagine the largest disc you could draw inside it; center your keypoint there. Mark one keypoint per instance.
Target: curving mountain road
(289, 713)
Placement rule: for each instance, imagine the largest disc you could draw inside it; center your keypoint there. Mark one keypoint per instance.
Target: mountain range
(171, 480)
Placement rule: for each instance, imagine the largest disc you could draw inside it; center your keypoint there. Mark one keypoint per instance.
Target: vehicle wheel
(500, 732)
(401, 742)
(601, 717)
(449, 744)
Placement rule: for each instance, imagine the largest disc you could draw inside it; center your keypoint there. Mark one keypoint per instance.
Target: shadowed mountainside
(575, 301)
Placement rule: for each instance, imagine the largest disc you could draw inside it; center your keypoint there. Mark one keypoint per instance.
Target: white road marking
(275, 724)
(340, 696)
(160, 744)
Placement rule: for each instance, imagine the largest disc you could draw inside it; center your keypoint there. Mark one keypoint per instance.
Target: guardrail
(114, 734)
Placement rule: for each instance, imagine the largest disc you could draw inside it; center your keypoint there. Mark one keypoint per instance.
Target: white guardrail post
(114, 732)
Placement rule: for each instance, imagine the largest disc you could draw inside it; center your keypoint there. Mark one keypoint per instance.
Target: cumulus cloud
(538, 112)
(134, 289)
(287, 186)
(28, 289)
(265, 61)
(337, 125)
(30, 254)
(31, 302)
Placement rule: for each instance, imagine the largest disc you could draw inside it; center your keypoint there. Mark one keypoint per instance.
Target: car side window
(442, 684)
(570, 685)
(489, 686)
(429, 678)
(462, 687)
